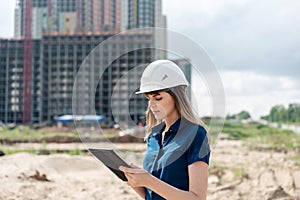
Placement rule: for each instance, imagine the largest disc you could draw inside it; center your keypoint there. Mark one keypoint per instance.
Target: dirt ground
(236, 172)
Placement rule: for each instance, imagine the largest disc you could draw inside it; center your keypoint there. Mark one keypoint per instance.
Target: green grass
(296, 160)
(13, 151)
(72, 152)
(108, 135)
(28, 134)
(217, 169)
(36, 152)
(238, 172)
(42, 150)
(256, 134)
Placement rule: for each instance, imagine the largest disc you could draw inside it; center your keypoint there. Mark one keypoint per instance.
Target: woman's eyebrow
(153, 95)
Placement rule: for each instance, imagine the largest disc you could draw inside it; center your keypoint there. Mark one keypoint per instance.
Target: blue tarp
(89, 118)
(66, 119)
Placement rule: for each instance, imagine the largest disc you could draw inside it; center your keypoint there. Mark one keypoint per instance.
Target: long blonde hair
(182, 104)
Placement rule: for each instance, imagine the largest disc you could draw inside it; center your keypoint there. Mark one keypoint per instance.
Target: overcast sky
(255, 45)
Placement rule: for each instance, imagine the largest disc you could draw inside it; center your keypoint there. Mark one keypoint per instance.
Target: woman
(177, 155)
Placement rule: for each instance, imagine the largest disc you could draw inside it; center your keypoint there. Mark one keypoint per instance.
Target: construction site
(53, 39)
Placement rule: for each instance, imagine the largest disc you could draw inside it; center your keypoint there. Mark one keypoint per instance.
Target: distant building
(186, 67)
(56, 60)
(53, 39)
(144, 13)
(55, 63)
(11, 80)
(69, 16)
(64, 54)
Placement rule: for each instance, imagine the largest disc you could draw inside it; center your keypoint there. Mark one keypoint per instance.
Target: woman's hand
(136, 176)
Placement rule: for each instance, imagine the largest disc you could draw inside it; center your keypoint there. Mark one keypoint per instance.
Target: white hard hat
(161, 74)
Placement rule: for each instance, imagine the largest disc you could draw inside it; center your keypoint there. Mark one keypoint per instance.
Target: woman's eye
(158, 99)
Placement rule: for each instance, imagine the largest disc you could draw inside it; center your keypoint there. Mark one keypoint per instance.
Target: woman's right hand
(137, 177)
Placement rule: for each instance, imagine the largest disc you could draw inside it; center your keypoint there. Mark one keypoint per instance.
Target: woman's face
(162, 105)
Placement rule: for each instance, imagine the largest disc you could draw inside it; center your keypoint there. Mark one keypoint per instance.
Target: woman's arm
(198, 175)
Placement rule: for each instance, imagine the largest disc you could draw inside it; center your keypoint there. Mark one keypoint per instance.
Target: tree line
(280, 114)
(239, 116)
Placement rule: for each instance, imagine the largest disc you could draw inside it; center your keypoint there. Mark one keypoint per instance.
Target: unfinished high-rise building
(54, 38)
(69, 16)
(56, 60)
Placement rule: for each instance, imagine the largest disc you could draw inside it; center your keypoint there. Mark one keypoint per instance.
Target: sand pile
(237, 172)
(65, 177)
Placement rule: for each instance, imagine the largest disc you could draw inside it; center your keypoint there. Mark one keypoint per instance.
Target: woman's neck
(171, 120)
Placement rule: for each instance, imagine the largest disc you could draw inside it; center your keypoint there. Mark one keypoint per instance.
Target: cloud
(254, 44)
(250, 91)
(261, 35)
(7, 18)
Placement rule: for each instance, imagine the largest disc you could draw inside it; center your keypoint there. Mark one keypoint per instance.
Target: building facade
(11, 80)
(56, 60)
(64, 54)
(69, 16)
(55, 38)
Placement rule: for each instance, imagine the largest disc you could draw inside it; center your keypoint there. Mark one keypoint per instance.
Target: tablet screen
(111, 160)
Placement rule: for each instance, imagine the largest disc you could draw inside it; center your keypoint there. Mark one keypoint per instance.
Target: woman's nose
(151, 103)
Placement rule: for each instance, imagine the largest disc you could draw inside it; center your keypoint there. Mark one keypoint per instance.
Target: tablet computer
(111, 160)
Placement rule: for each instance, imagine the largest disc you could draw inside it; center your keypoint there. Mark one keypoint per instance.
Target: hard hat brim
(144, 91)
(156, 90)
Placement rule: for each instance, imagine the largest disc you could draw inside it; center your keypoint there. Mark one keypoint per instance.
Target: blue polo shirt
(184, 143)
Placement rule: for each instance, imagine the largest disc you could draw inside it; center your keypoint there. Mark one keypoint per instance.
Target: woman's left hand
(137, 177)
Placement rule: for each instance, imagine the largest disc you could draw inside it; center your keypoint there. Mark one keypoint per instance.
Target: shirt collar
(158, 127)
(174, 127)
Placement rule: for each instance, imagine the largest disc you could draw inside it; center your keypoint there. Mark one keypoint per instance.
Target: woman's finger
(123, 169)
(133, 166)
(127, 169)
(132, 170)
